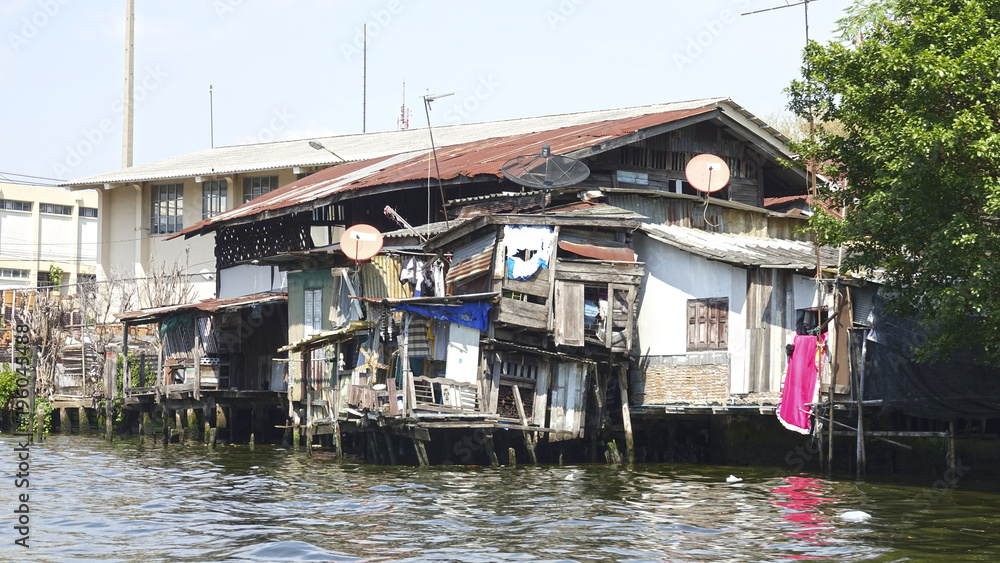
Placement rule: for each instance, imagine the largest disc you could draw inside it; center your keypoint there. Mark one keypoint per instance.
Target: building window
(708, 324)
(15, 205)
(44, 280)
(88, 212)
(313, 312)
(166, 215)
(256, 187)
(333, 214)
(55, 209)
(213, 197)
(12, 274)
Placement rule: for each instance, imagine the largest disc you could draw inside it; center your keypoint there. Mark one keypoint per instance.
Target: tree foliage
(917, 94)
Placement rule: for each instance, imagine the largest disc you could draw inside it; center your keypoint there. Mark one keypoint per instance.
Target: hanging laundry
(436, 275)
(528, 250)
(801, 384)
(417, 343)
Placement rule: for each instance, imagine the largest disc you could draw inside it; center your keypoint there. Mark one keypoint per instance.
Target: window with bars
(15, 205)
(708, 324)
(256, 187)
(333, 214)
(55, 209)
(213, 197)
(313, 320)
(166, 214)
(88, 212)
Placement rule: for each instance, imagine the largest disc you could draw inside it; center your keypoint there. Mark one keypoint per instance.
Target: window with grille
(708, 324)
(88, 212)
(15, 205)
(213, 197)
(256, 187)
(55, 209)
(313, 312)
(166, 214)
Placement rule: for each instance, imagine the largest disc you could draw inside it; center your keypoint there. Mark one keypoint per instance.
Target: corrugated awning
(599, 252)
(472, 259)
(328, 336)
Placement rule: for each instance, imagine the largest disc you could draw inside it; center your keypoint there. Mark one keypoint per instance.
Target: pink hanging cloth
(801, 385)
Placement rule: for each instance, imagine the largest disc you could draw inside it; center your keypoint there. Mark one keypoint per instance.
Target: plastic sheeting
(959, 388)
(474, 315)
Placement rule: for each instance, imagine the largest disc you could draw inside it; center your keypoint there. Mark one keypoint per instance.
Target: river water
(94, 501)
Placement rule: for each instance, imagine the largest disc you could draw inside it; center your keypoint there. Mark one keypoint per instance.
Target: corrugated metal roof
(599, 251)
(206, 305)
(743, 250)
(471, 259)
(286, 154)
(470, 159)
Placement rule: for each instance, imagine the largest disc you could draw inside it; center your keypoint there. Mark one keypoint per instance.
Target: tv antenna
(803, 3)
(428, 98)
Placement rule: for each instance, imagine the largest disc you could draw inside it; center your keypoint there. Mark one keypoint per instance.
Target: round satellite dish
(707, 173)
(545, 170)
(361, 242)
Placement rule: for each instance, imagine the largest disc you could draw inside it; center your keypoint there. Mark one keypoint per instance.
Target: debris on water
(855, 516)
(733, 479)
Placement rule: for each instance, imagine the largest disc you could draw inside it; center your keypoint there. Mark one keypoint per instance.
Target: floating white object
(855, 516)
(733, 479)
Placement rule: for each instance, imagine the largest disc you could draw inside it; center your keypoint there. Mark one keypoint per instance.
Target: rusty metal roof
(471, 159)
(143, 316)
(599, 251)
(278, 155)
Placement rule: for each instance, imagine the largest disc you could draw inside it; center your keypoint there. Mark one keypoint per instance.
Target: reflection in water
(123, 502)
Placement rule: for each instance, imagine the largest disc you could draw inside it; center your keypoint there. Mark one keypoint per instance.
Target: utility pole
(129, 105)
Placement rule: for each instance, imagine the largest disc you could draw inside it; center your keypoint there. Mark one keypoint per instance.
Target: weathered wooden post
(179, 424)
(84, 420)
(626, 416)
(65, 424)
(511, 457)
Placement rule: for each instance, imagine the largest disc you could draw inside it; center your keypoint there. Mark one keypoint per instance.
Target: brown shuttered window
(708, 324)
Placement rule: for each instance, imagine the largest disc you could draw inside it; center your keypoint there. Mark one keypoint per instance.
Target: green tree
(918, 99)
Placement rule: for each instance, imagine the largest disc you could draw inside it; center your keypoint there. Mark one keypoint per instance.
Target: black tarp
(958, 388)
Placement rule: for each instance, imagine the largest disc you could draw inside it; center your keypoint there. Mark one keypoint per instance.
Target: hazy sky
(293, 69)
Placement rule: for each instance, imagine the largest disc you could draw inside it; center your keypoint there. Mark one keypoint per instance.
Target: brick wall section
(697, 378)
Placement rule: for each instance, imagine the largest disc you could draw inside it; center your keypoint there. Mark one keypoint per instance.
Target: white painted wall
(672, 278)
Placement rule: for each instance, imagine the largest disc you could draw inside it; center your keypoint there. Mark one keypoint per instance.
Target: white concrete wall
(672, 278)
(33, 241)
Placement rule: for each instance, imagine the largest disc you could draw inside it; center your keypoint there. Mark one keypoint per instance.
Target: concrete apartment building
(41, 227)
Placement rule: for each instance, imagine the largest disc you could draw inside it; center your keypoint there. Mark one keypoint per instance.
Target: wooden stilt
(179, 422)
(252, 437)
(511, 457)
(84, 418)
(40, 426)
(529, 444)
(211, 437)
(338, 440)
(491, 453)
(389, 447)
(65, 424)
(952, 463)
(626, 416)
(421, 450)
